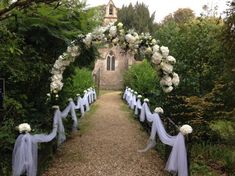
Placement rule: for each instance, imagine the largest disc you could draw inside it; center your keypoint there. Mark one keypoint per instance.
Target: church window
(111, 61)
(110, 9)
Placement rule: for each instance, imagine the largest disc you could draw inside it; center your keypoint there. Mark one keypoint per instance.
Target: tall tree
(137, 17)
(182, 15)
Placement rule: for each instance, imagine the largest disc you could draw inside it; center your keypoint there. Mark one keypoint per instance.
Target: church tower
(113, 62)
(110, 13)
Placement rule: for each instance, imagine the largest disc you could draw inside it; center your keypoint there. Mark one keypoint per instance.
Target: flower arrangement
(55, 107)
(129, 41)
(186, 129)
(146, 100)
(159, 110)
(70, 99)
(24, 127)
(139, 96)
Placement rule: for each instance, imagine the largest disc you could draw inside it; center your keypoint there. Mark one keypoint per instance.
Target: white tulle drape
(25, 152)
(138, 106)
(177, 161)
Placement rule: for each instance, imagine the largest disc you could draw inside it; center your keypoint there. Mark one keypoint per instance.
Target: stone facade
(113, 62)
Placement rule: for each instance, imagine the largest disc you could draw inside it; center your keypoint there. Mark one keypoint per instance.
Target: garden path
(107, 144)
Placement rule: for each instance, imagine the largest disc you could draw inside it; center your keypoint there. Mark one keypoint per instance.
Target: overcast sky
(164, 7)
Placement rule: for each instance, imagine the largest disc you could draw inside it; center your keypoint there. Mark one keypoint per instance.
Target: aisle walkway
(107, 145)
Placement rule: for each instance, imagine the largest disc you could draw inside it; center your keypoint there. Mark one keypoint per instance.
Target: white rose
(115, 41)
(148, 50)
(165, 51)
(70, 99)
(186, 129)
(120, 25)
(88, 39)
(156, 58)
(113, 31)
(130, 39)
(55, 107)
(156, 48)
(159, 110)
(166, 81)
(146, 100)
(171, 59)
(175, 79)
(167, 68)
(24, 127)
(167, 89)
(154, 41)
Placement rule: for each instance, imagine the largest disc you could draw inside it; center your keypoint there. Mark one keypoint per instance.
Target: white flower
(159, 110)
(122, 32)
(165, 51)
(171, 59)
(166, 81)
(119, 25)
(129, 89)
(156, 58)
(148, 50)
(167, 68)
(78, 95)
(135, 93)
(146, 100)
(70, 99)
(88, 39)
(167, 89)
(56, 95)
(115, 41)
(186, 129)
(154, 41)
(139, 96)
(175, 79)
(48, 94)
(156, 48)
(130, 39)
(12, 1)
(24, 127)
(113, 31)
(85, 91)
(55, 107)
(132, 91)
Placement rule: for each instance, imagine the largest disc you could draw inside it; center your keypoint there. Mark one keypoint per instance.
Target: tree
(137, 17)
(182, 15)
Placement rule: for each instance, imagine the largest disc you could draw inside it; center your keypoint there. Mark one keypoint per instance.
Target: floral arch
(129, 41)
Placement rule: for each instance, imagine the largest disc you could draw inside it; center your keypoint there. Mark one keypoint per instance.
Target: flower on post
(146, 100)
(24, 127)
(139, 96)
(159, 110)
(186, 129)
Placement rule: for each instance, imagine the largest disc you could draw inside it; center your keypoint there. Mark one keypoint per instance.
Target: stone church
(113, 62)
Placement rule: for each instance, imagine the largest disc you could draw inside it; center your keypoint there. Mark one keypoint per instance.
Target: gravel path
(107, 145)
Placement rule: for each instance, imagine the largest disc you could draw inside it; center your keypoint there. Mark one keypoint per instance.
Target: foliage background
(30, 42)
(204, 49)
